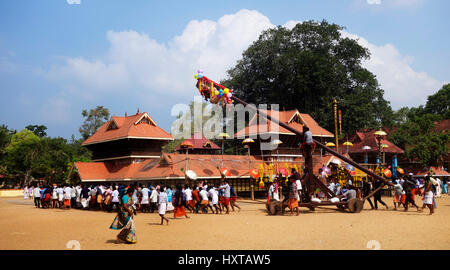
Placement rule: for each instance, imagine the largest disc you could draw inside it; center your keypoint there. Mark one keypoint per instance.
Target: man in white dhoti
(145, 199)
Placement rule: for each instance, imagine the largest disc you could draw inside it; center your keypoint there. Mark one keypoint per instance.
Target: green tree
(94, 119)
(22, 153)
(439, 103)
(305, 68)
(420, 140)
(5, 138)
(171, 146)
(79, 153)
(39, 130)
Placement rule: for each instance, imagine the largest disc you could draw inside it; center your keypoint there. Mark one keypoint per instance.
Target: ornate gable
(112, 125)
(145, 119)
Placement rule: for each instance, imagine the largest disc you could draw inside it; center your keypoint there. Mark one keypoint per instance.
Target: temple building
(366, 146)
(128, 149)
(200, 145)
(288, 149)
(128, 139)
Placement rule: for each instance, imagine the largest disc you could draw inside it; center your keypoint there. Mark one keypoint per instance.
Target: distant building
(201, 145)
(128, 138)
(364, 139)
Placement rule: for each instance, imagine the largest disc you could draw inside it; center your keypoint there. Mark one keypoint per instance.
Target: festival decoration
(326, 170)
(254, 173)
(261, 172)
(400, 170)
(282, 171)
(225, 171)
(286, 166)
(349, 167)
(213, 91)
(261, 184)
(387, 173)
(270, 172)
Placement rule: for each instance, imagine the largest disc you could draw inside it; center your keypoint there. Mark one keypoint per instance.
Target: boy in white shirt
(67, 197)
(145, 199)
(190, 204)
(162, 204)
(154, 199)
(60, 192)
(204, 199)
(214, 195)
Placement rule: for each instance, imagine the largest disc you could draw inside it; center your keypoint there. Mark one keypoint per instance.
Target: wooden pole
(252, 187)
(335, 124)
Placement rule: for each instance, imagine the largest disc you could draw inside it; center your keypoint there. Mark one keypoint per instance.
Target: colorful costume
(124, 220)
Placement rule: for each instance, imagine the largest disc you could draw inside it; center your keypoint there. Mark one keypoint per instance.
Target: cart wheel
(355, 205)
(273, 208)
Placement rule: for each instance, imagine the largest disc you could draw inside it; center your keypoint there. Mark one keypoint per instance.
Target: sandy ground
(25, 227)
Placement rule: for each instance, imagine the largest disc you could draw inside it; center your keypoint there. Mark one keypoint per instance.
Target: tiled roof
(200, 143)
(361, 139)
(128, 127)
(442, 125)
(287, 117)
(171, 166)
(437, 171)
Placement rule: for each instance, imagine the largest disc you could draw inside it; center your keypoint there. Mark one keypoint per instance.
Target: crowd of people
(404, 187)
(128, 200)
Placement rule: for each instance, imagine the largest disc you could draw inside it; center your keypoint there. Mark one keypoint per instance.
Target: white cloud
(135, 61)
(159, 73)
(374, 2)
(291, 24)
(73, 2)
(390, 4)
(403, 86)
(405, 3)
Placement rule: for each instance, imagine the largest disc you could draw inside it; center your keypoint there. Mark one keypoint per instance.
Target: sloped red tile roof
(171, 166)
(442, 125)
(286, 117)
(437, 171)
(361, 139)
(200, 143)
(127, 128)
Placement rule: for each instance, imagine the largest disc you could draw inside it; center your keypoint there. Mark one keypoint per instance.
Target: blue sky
(58, 58)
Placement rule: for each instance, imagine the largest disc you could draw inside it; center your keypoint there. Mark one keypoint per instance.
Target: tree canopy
(415, 129)
(306, 68)
(94, 119)
(39, 130)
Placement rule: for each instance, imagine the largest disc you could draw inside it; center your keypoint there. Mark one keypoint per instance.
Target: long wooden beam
(293, 130)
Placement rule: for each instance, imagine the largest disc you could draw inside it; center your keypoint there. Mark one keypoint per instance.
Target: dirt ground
(25, 227)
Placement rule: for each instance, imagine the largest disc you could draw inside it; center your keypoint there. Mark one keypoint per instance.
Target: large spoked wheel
(355, 205)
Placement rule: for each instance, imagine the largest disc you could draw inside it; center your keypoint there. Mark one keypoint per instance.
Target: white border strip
(130, 137)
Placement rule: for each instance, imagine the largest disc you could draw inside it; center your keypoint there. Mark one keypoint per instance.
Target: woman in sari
(124, 220)
(179, 203)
